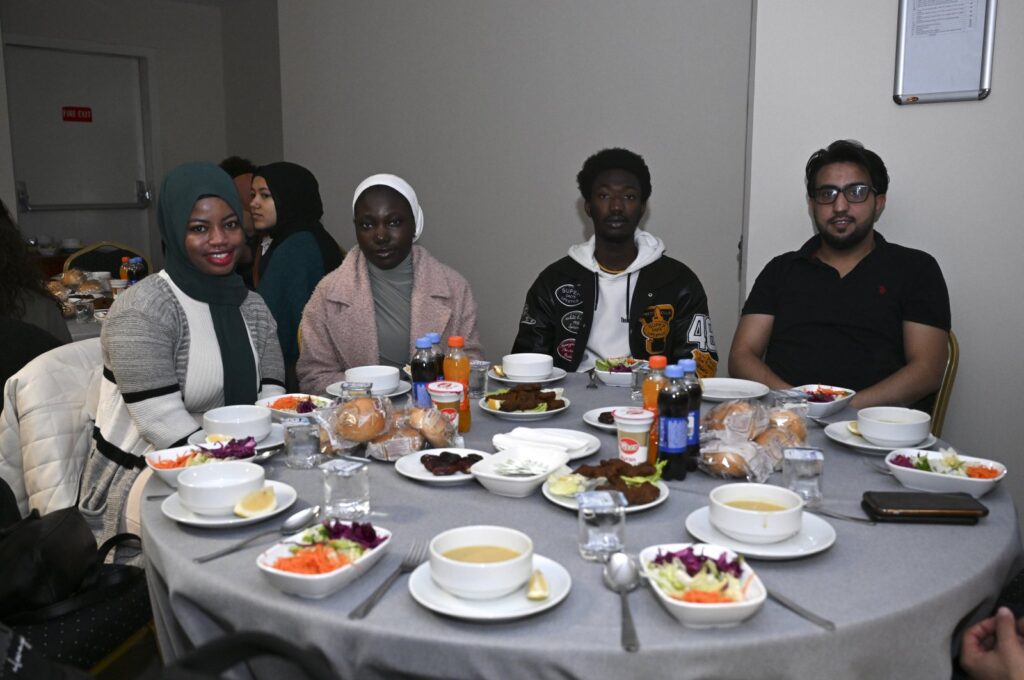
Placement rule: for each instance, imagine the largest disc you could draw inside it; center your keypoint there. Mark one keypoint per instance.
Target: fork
(417, 553)
(592, 385)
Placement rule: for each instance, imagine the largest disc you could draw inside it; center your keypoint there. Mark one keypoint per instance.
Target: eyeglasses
(854, 193)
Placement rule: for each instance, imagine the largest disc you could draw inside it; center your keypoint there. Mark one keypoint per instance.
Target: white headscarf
(399, 185)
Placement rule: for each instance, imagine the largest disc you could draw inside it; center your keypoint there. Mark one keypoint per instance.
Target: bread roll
(57, 290)
(438, 430)
(744, 417)
(90, 286)
(726, 460)
(360, 420)
(73, 277)
(790, 421)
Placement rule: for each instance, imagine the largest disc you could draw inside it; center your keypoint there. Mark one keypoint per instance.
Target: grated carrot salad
(315, 559)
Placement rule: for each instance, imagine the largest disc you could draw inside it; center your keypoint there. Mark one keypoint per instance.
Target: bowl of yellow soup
(756, 513)
(893, 426)
(481, 562)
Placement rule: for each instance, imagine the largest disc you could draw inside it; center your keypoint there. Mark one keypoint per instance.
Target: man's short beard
(845, 243)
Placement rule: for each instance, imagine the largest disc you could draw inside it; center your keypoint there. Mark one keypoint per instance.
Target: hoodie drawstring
(629, 278)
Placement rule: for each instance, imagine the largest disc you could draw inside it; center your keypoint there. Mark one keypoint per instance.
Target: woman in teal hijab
(178, 343)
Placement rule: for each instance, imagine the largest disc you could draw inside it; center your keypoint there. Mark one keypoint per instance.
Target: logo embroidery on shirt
(654, 325)
(569, 295)
(526, 319)
(565, 348)
(571, 321)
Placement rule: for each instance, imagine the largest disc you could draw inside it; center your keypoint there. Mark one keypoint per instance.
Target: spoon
(290, 525)
(622, 574)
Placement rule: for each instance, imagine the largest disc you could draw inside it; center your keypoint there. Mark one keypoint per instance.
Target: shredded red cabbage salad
(692, 562)
(305, 406)
(236, 448)
(902, 460)
(363, 534)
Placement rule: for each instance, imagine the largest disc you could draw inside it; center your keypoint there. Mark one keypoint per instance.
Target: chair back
(946, 388)
(104, 256)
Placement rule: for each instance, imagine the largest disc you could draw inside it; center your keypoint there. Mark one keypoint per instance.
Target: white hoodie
(609, 331)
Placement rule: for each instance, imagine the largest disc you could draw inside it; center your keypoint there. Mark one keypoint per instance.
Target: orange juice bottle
(653, 384)
(456, 369)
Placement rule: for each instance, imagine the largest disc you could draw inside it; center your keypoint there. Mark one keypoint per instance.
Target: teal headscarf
(182, 187)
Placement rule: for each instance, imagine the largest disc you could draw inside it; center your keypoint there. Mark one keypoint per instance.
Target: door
(78, 137)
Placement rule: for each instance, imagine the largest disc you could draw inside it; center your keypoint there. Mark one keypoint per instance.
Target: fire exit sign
(77, 114)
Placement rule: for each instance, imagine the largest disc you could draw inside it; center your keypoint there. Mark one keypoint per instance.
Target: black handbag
(44, 559)
(82, 629)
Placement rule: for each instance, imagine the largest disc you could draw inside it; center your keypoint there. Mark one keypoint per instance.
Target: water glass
(353, 390)
(478, 378)
(602, 521)
(83, 311)
(346, 488)
(301, 443)
(640, 374)
(802, 470)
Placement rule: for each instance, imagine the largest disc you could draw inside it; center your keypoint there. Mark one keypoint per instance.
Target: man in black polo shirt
(849, 308)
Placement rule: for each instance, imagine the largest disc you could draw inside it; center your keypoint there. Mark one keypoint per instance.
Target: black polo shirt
(846, 331)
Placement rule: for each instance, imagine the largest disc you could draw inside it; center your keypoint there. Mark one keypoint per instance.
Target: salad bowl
(947, 471)
(316, 586)
(701, 614)
(824, 400)
(617, 372)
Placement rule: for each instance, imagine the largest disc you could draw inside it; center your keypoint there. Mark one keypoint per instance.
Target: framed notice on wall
(944, 50)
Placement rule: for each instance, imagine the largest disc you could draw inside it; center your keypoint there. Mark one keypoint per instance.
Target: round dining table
(898, 594)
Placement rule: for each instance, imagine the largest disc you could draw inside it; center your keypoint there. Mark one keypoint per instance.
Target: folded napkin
(564, 439)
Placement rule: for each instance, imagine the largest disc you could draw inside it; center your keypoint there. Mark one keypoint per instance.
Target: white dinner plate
(173, 509)
(840, 433)
(569, 502)
(522, 416)
(279, 414)
(334, 389)
(725, 389)
(556, 374)
(816, 536)
(411, 467)
(272, 440)
(590, 418)
(512, 606)
(593, 443)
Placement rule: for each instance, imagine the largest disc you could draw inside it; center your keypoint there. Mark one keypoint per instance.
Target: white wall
(824, 71)
(490, 108)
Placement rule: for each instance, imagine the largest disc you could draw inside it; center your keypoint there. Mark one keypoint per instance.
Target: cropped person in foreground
(849, 308)
(176, 344)
(993, 649)
(618, 294)
(387, 293)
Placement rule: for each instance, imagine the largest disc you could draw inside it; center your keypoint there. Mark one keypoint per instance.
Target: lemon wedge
(537, 588)
(256, 502)
(852, 427)
(218, 438)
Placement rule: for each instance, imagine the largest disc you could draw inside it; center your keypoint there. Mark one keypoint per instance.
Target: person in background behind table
(295, 251)
(849, 308)
(993, 649)
(22, 295)
(387, 293)
(241, 170)
(177, 344)
(618, 294)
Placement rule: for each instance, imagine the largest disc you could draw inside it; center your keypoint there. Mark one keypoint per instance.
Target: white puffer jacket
(46, 425)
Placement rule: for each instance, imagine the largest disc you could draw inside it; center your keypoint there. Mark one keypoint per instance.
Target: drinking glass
(602, 524)
(83, 311)
(301, 443)
(346, 488)
(478, 378)
(802, 470)
(640, 374)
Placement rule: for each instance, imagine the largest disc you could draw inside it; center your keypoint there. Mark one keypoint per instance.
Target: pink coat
(339, 330)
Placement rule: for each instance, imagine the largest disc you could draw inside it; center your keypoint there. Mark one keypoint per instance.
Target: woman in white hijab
(386, 293)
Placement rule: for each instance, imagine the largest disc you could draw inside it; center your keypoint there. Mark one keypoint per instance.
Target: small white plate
(725, 389)
(272, 440)
(816, 536)
(334, 389)
(512, 606)
(411, 467)
(590, 418)
(556, 374)
(521, 415)
(840, 432)
(173, 509)
(319, 402)
(569, 502)
(593, 443)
